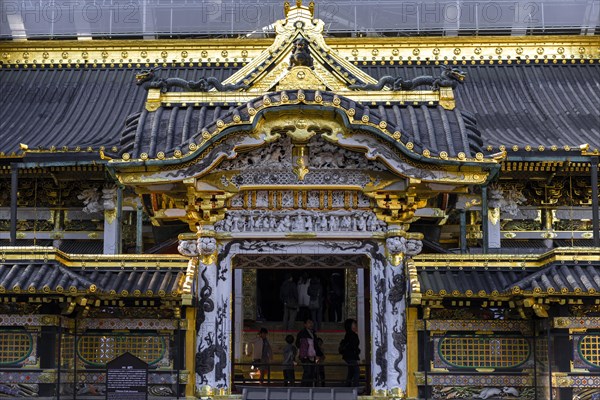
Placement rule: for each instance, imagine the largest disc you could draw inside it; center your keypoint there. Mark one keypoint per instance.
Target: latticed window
(97, 350)
(484, 351)
(15, 346)
(589, 349)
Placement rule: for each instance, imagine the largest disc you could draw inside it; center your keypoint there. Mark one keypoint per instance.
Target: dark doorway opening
(269, 282)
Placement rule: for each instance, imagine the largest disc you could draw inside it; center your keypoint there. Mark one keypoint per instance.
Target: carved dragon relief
(450, 77)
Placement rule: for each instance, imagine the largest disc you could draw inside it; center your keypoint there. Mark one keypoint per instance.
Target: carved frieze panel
(289, 199)
(300, 221)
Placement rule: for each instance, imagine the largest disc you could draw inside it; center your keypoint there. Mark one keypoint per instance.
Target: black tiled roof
(428, 127)
(553, 279)
(71, 246)
(563, 278)
(516, 104)
(524, 104)
(451, 280)
(74, 106)
(52, 277)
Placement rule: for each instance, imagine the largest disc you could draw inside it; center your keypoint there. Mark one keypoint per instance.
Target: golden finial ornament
(286, 8)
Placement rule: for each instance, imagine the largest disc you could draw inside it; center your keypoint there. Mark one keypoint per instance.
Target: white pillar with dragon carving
(399, 247)
(213, 291)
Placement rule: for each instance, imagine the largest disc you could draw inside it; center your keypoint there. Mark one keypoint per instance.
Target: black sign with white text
(127, 378)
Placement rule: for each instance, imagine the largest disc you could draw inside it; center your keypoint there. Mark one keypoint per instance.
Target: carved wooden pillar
(212, 315)
(400, 245)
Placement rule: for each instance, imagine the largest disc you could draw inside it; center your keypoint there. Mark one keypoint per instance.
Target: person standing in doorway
(289, 361)
(289, 297)
(350, 350)
(336, 297)
(320, 364)
(307, 352)
(315, 291)
(262, 354)
(303, 297)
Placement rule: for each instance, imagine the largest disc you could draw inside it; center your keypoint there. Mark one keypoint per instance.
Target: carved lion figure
(91, 200)
(396, 245)
(300, 54)
(207, 246)
(188, 248)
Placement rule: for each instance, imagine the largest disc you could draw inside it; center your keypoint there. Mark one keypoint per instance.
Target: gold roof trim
(478, 261)
(45, 254)
(364, 50)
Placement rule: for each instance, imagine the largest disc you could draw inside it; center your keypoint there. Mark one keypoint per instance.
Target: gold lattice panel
(97, 350)
(589, 349)
(483, 352)
(14, 347)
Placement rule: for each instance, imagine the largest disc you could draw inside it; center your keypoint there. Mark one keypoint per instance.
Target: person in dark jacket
(289, 297)
(289, 357)
(315, 291)
(335, 296)
(351, 352)
(308, 352)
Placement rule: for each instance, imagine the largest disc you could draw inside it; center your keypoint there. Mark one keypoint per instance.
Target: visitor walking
(289, 297)
(307, 352)
(350, 351)
(289, 357)
(262, 354)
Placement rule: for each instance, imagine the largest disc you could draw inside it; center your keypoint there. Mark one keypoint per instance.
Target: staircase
(331, 333)
(329, 393)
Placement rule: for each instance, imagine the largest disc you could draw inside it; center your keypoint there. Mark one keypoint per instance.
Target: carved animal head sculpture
(145, 75)
(454, 74)
(301, 54)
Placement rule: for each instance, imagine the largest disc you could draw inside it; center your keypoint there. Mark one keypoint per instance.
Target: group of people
(309, 297)
(308, 348)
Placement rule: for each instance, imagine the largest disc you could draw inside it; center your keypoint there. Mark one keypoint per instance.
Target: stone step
(296, 393)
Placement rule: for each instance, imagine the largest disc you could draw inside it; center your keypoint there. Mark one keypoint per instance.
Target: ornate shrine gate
(299, 152)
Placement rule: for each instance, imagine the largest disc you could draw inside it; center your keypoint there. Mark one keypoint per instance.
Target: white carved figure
(486, 393)
(308, 225)
(413, 247)
(324, 223)
(507, 198)
(188, 248)
(262, 199)
(396, 245)
(373, 223)
(284, 224)
(361, 223)
(235, 224)
(207, 246)
(91, 200)
(298, 224)
(109, 194)
(510, 391)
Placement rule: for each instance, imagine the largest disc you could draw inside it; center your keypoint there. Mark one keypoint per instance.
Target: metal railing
(248, 373)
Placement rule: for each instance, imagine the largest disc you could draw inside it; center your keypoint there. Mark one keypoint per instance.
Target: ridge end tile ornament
(148, 79)
(449, 77)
